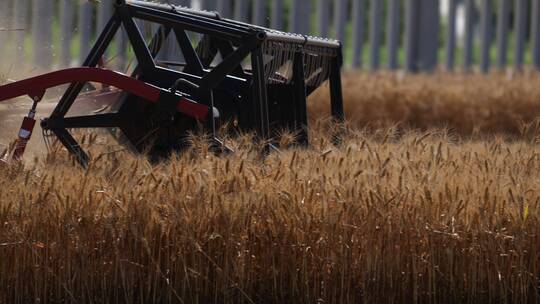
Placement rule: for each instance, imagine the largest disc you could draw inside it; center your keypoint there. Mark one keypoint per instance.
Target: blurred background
(410, 35)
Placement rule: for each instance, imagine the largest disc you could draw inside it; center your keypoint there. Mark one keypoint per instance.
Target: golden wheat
(466, 104)
(391, 215)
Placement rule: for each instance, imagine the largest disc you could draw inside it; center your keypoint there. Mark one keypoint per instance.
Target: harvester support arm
(36, 86)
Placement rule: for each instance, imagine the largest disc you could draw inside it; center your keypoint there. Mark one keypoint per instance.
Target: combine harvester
(226, 71)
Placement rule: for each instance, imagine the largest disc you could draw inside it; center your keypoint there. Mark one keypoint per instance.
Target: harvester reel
(258, 77)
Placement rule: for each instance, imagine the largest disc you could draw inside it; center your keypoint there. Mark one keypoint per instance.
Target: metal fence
(414, 35)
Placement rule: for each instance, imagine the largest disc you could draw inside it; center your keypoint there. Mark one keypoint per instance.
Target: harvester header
(193, 70)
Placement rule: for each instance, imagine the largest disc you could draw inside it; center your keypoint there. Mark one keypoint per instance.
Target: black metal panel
(93, 121)
(300, 99)
(260, 96)
(281, 109)
(336, 94)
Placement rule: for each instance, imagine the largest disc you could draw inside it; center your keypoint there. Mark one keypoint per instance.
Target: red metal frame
(35, 87)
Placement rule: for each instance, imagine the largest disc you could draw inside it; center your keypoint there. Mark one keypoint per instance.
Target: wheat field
(468, 105)
(436, 206)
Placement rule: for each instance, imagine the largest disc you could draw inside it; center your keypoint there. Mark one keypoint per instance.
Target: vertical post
(104, 14)
(306, 18)
(66, 31)
(295, 17)
(411, 35)
(224, 8)
(336, 94)
(375, 34)
(358, 32)
(503, 20)
(122, 46)
(4, 25)
(393, 34)
(429, 34)
(184, 3)
(241, 10)
(300, 99)
(259, 12)
(323, 17)
(340, 18)
(260, 97)
(42, 15)
(520, 23)
(451, 36)
(468, 43)
(485, 36)
(535, 33)
(154, 31)
(208, 5)
(422, 35)
(85, 27)
(277, 14)
(20, 24)
(198, 4)
(171, 50)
